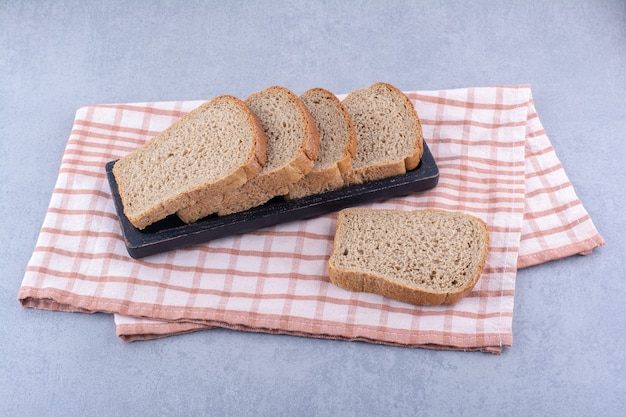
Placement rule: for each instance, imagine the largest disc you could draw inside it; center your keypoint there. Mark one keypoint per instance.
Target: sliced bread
(216, 147)
(337, 144)
(388, 133)
(292, 147)
(421, 257)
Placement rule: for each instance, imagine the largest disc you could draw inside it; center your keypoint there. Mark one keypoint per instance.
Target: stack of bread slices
(230, 155)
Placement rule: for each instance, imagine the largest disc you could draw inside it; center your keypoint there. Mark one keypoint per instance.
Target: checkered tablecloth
(495, 160)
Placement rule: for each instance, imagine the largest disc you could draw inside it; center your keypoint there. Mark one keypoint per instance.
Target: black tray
(171, 233)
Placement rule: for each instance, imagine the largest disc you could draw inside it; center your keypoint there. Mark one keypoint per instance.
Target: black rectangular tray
(171, 233)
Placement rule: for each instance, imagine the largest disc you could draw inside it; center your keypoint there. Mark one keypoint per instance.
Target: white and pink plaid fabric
(495, 161)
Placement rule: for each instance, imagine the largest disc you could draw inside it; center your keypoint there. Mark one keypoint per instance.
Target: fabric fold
(495, 160)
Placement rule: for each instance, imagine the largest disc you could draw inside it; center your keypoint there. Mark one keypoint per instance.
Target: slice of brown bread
(388, 133)
(422, 257)
(337, 144)
(292, 147)
(217, 146)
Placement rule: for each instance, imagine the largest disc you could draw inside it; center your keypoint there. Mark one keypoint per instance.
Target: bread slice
(388, 133)
(216, 147)
(421, 257)
(292, 147)
(337, 144)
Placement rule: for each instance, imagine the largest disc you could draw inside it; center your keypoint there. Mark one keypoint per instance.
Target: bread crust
(328, 178)
(253, 164)
(358, 175)
(367, 281)
(311, 146)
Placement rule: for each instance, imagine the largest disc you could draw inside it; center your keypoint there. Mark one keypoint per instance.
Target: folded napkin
(495, 160)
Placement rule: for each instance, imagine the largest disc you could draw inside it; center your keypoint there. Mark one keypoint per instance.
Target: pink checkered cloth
(495, 160)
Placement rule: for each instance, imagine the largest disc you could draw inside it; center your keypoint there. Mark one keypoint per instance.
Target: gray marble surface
(568, 356)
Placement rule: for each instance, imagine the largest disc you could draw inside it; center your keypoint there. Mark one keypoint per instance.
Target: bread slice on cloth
(337, 144)
(388, 133)
(292, 147)
(214, 148)
(421, 257)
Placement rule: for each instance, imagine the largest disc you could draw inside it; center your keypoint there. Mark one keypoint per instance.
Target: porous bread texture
(421, 257)
(337, 144)
(292, 146)
(388, 133)
(214, 148)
